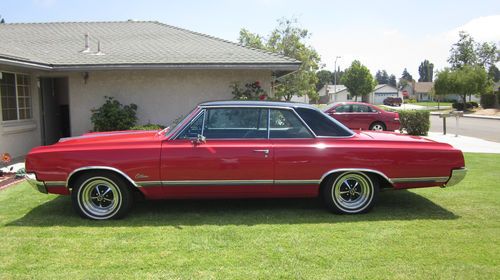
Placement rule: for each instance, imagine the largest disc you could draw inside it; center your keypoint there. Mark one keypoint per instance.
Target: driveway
(487, 129)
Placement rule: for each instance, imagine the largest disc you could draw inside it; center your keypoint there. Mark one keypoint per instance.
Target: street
(487, 129)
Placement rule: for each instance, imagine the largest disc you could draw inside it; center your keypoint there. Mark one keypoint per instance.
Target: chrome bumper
(37, 185)
(457, 175)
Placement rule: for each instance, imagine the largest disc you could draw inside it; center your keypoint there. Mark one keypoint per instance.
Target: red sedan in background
(359, 115)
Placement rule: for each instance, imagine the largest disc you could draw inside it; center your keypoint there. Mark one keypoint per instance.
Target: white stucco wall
(161, 95)
(18, 137)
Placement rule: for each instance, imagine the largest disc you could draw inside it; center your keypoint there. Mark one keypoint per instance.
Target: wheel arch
(79, 171)
(384, 181)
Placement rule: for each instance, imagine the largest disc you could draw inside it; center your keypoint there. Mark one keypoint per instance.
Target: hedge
(149, 126)
(415, 122)
(488, 101)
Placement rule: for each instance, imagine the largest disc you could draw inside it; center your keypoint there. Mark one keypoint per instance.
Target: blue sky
(387, 35)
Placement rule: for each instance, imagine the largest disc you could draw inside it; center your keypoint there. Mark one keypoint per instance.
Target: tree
(2, 20)
(392, 80)
(466, 81)
(358, 80)
(426, 71)
(406, 78)
(289, 40)
(468, 52)
(325, 77)
(382, 77)
(494, 73)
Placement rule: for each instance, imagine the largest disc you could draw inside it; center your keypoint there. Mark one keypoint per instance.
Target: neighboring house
(333, 93)
(380, 93)
(422, 91)
(50, 79)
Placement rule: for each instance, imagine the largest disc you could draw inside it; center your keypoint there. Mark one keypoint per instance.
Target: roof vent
(99, 51)
(87, 46)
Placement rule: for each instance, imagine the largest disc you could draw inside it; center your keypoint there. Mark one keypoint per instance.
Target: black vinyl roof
(257, 103)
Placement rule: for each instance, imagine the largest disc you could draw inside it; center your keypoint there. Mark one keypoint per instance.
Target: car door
(362, 116)
(222, 152)
(294, 146)
(342, 114)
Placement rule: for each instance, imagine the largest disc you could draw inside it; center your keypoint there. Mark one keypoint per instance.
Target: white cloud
(44, 3)
(483, 29)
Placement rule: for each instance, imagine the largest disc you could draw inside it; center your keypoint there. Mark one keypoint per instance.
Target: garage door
(379, 97)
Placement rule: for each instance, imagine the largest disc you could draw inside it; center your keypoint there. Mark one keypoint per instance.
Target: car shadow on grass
(392, 205)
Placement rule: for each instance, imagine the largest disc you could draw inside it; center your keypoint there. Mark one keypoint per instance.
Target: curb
(471, 116)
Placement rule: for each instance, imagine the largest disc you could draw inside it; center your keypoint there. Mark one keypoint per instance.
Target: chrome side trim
(354, 170)
(216, 182)
(296, 182)
(100, 168)
(421, 180)
(55, 183)
(148, 183)
(457, 175)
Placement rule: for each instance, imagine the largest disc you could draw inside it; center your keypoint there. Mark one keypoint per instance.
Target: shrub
(460, 106)
(411, 100)
(112, 116)
(415, 122)
(251, 91)
(488, 101)
(148, 126)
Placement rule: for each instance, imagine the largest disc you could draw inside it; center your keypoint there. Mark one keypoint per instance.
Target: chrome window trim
(181, 130)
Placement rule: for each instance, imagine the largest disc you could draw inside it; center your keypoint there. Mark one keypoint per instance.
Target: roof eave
(279, 68)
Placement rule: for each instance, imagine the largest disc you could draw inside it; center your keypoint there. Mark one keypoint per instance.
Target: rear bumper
(37, 185)
(457, 175)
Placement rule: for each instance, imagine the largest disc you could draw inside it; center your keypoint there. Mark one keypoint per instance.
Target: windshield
(179, 122)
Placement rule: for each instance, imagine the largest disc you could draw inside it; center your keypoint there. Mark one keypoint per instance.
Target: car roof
(352, 102)
(244, 103)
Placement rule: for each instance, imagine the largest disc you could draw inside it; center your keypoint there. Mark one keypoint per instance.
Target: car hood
(112, 137)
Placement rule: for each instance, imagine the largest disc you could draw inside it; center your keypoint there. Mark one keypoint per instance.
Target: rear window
(321, 124)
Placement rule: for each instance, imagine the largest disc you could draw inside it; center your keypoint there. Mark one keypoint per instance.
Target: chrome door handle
(262, 151)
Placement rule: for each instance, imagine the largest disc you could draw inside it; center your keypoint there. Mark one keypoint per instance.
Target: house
(333, 93)
(53, 74)
(422, 91)
(381, 92)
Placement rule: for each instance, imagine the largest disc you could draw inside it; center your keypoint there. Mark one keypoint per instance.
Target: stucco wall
(161, 96)
(18, 137)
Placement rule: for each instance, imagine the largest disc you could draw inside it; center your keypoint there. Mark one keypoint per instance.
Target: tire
(101, 196)
(378, 126)
(350, 192)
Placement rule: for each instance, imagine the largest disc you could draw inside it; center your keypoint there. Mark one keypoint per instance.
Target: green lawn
(433, 104)
(432, 233)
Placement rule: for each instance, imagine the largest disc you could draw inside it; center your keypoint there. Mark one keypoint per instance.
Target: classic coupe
(240, 149)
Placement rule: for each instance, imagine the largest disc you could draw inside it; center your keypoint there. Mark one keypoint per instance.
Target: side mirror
(200, 139)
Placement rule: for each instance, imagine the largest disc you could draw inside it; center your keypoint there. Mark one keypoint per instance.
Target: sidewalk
(471, 116)
(465, 143)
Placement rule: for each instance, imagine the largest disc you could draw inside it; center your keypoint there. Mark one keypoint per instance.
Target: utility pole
(335, 76)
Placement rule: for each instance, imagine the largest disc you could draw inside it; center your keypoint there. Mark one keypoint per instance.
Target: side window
(193, 129)
(285, 124)
(235, 123)
(343, 109)
(356, 108)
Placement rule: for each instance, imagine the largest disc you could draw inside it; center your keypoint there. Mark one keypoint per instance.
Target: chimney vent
(87, 45)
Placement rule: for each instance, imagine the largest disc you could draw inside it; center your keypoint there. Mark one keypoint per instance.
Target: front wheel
(350, 193)
(101, 196)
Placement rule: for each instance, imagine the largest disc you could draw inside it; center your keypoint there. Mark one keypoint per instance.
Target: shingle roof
(129, 43)
(423, 86)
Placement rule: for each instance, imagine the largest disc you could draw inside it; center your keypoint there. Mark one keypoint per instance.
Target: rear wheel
(350, 192)
(377, 126)
(101, 196)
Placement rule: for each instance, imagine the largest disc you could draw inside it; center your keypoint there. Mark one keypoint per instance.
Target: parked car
(238, 149)
(393, 101)
(359, 115)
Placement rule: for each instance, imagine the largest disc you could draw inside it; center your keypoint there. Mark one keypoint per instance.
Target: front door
(54, 104)
(223, 152)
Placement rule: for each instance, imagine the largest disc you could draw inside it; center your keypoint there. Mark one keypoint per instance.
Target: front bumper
(37, 185)
(457, 175)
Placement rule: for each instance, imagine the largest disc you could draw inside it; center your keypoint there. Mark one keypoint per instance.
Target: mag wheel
(378, 126)
(101, 196)
(350, 193)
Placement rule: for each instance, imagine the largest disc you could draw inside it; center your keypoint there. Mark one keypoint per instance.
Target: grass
(431, 233)
(432, 104)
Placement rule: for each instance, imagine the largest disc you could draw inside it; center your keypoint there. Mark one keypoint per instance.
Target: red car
(238, 149)
(359, 115)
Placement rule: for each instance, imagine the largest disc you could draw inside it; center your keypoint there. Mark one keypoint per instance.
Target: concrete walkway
(466, 144)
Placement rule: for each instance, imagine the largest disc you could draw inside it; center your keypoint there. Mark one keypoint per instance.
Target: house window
(15, 95)
(349, 97)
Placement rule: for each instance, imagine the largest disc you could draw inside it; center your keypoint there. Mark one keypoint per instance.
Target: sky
(389, 35)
